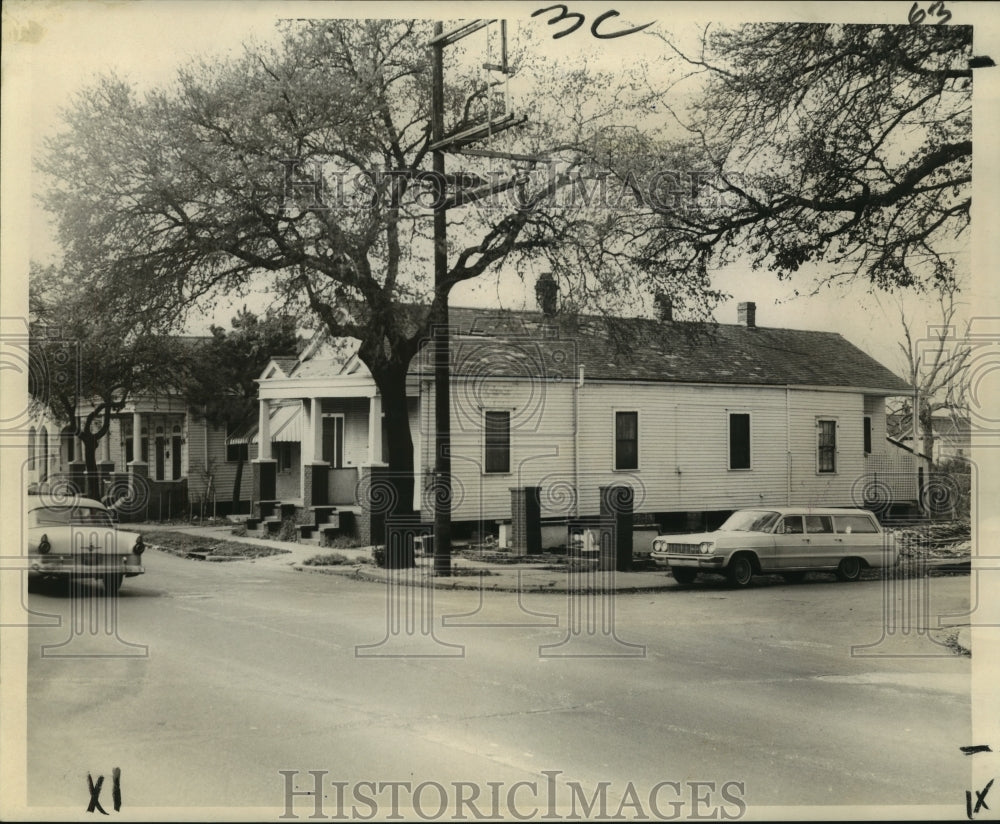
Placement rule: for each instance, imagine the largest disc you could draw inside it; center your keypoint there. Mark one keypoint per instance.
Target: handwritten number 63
(566, 14)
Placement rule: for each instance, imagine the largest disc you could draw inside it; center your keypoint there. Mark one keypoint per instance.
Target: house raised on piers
(698, 419)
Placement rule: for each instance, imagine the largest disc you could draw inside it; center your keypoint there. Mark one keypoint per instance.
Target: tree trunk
(90, 443)
(391, 382)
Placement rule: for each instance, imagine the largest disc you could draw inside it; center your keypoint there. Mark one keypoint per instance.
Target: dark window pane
(868, 435)
(626, 440)
(739, 441)
(497, 442)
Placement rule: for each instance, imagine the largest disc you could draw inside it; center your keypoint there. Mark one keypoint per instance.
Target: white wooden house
(697, 418)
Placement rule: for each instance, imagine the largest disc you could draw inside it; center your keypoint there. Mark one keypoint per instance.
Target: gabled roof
(529, 345)
(639, 349)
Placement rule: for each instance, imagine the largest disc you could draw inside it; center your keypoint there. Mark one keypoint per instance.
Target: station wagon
(788, 541)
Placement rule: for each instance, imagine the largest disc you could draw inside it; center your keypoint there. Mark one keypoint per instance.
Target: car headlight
(706, 547)
(139, 547)
(657, 546)
(43, 545)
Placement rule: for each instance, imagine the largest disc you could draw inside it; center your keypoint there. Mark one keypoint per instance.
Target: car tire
(683, 575)
(793, 577)
(849, 569)
(112, 583)
(740, 570)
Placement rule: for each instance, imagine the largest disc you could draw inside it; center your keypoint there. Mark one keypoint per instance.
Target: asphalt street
(213, 677)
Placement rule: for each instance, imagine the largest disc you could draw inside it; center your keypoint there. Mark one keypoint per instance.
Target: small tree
(937, 366)
(87, 365)
(223, 379)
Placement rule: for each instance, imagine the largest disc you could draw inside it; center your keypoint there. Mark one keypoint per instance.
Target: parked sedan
(77, 538)
(788, 541)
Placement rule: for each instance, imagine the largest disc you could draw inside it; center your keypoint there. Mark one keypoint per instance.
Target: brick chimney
(546, 293)
(747, 314)
(664, 307)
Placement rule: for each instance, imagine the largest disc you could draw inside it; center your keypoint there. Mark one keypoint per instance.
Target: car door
(823, 547)
(790, 543)
(859, 535)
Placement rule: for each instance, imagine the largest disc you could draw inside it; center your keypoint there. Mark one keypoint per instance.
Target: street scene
(249, 668)
(587, 413)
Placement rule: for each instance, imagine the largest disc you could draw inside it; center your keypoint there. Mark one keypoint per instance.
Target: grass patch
(182, 544)
(335, 559)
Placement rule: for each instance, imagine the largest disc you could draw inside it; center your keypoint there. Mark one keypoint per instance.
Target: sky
(53, 49)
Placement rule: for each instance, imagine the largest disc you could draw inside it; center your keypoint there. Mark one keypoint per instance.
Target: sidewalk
(466, 573)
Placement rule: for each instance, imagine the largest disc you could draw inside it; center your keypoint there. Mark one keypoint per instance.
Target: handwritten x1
(95, 792)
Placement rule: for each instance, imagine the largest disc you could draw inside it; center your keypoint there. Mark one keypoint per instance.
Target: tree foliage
(303, 167)
(846, 146)
(88, 364)
(223, 377)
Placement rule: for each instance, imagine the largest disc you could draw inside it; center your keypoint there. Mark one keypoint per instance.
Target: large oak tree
(303, 167)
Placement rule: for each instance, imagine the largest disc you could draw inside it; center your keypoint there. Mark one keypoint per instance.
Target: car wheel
(740, 570)
(793, 577)
(849, 569)
(113, 583)
(683, 575)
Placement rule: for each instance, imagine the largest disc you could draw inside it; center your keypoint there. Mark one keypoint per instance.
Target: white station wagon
(77, 538)
(789, 541)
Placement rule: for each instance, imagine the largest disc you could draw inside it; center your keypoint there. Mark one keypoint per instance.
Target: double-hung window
(497, 441)
(626, 440)
(826, 455)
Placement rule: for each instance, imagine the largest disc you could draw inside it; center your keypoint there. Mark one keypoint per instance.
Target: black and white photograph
(585, 412)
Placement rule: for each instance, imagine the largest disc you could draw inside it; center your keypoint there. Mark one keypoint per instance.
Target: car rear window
(855, 523)
(70, 515)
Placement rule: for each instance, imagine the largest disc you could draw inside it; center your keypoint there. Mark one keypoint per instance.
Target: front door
(175, 457)
(160, 444)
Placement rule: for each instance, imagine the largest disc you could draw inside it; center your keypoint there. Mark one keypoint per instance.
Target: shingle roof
(639, 349)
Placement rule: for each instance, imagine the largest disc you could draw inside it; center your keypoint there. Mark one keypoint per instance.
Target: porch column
(264, 430)
(136, 437)
(315, 472)
(375, 429)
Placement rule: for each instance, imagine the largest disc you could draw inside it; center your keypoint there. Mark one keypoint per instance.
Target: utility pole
(440, 339)
(440, 342)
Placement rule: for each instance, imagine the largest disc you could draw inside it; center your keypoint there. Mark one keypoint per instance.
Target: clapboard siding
(208, 470)
(683, 446)
(809, 486)
(542, 430)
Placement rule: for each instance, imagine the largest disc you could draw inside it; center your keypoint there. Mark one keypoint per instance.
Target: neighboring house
(160, 452)
(699, 419)
(952, 434)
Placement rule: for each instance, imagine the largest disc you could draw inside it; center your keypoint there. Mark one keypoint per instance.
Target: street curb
(471, 584)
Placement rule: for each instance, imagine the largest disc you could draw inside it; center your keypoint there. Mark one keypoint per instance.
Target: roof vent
(747, 314)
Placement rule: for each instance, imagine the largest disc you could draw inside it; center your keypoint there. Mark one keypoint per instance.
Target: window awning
(286, 426)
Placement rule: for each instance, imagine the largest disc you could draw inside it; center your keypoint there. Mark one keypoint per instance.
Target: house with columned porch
(697, 419)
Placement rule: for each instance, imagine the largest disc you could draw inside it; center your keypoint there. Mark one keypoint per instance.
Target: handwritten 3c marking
(566, 14)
